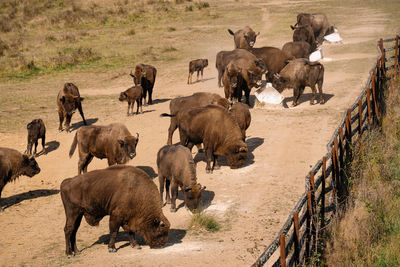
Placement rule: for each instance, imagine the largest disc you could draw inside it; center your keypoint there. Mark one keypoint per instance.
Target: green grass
(202, 221)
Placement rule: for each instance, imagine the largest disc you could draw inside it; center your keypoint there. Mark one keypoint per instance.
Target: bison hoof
(208, 171)
(322, 102)
(112, 250)
(69, 256)
(172, 210)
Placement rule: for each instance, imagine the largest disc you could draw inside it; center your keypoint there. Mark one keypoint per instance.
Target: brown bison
(14, 164)
(297, 49)
(68, 100)
(113, 142)
(274, 59)
(318, 22)
(241, 113)
(232, 79)
(305, 33)
(244, 38)
(177, 168)
(217, 130)
(36, 130)
(298, 74)
(125, 193)
(196, 100)
(196, 65)
(131, 95)
(145, 75)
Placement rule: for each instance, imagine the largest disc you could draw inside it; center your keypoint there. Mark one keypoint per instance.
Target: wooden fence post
(308, 227)
(334, 178)
(337, 171)
(360, 118)
(341, 146)
(283, 250)
(348, 136)
(323, 192)
(383, 56)
(369, 106)
(396, 56)
(296, 238)
(373, 82)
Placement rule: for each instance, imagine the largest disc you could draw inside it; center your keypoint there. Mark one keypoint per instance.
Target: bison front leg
(35, 150)
(174, 195)
(209, 154)
(114, 227)
(161, 180)
(198, 73)
(220, 74)
(29, 148)
(127, 112)
(189, 81)
(67, 122)
(167, 193)
(296, 95)
(81, 112)
(314, 92)
(131, 234)
(61, 117)
(43, 144)
(202, 74)
(150, 95)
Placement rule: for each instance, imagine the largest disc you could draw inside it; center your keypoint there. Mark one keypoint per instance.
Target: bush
(201, 221)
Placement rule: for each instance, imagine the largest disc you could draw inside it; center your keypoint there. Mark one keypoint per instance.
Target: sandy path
(252, 202)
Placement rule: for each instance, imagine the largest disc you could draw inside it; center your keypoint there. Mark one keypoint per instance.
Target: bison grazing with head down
(131, 95)
(241, 113)
(196, 65)
(36, 130)
(145, 75)
(68, 100)
(318, 22)
(244, 38)
(196, 100)
(13, 164)
(217, 130)
(113, 142)
(125, 193)
(177, 168)
(298, 74)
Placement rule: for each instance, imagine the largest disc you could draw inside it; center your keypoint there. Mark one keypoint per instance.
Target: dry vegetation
(369, 233)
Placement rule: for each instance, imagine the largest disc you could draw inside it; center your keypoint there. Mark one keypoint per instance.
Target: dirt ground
(251, 203)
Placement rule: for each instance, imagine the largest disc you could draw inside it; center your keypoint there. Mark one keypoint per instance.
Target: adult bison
(217, 130)
(232, 79)
(14, 164)
(305, 33)
(196, 65)
(125, 193)
(131, 95)
(68, 100)
(297, 49)
(274, 59)
(36, 130)
(241, 113)
(145, 75)
(199, 99)
(113, 142)
(318, 22)
(298, 74)
(244, 38)
(177, 169)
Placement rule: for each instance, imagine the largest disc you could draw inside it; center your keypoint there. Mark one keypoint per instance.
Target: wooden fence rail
(326, 183)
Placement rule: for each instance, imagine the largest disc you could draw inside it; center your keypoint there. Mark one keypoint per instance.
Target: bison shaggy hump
(125, 193)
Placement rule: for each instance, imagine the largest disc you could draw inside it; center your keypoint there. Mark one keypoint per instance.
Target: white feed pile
(316, 55)
(268, 95)
(333, 37)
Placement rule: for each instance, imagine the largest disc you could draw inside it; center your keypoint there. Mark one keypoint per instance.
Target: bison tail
(73, 146)
(167, 115)
(231, 32)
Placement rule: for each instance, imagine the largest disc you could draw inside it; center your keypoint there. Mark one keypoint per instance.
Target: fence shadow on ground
(13, 200)
(149, 170)
(175, 236)
(77, 125)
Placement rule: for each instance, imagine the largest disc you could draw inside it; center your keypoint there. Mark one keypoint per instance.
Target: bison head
(192, 195)
(250, 37)
(155, 231)
(138, 75)
(255, 74)
(237, 155)
(232, 71)
(279, 83)
(29, 166)
(70, 102)
(123, 96)
(128, 146)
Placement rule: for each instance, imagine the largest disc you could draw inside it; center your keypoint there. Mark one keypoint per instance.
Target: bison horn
(277, 76)
(131, 74)
(137, 135)
(249, 71)
(242, 149)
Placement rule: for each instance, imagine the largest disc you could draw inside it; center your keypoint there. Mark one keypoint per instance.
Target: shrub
(204, 221)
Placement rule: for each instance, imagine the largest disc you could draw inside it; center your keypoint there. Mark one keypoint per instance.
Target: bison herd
(211, 122)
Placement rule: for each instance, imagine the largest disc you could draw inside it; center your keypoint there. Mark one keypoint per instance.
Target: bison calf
(196, 65)
(131, 95)
(177, 168)
(298, 74)
(13, 164)
(125, 193)
(36, 130)
(113, 142)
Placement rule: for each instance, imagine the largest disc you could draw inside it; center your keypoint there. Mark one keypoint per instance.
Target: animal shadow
(305, 98)
(149, 170)
(13, 200)
(77, 125)
(175, 236)
(158, 101)
(49, 147)
(252, 144)
(206, 199)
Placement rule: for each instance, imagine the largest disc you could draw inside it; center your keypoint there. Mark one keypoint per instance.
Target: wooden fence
(326, 184)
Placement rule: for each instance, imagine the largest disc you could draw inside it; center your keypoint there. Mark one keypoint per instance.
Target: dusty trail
(251, 202)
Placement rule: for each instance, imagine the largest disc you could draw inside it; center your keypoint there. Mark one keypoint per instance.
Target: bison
(145, 75)
(232, 79)
(14, 164)
(68, 100)
(113, 142)
(36, 130)
(318, 22)
(131, 95)
(125, 193)
(305, 33)
(196, 65)
(244, 38)
(196, 100)
(176, 168)
(217, 130)
(241, 113)
(298, 74)
(297, 49)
